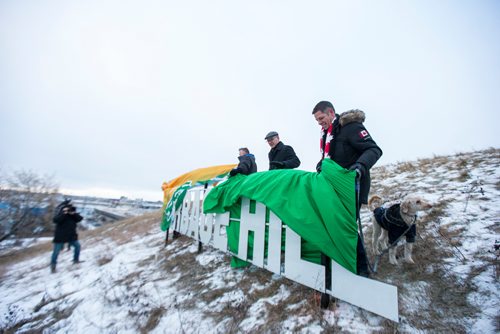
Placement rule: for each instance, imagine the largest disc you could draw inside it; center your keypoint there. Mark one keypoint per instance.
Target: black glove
(359, 168)
(233, 172)
(277, 164)
(318, 166)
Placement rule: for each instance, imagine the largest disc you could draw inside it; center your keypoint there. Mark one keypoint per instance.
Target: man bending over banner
(346, 141)
(247, 163)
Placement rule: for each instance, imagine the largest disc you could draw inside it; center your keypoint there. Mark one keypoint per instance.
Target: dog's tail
(375, 202)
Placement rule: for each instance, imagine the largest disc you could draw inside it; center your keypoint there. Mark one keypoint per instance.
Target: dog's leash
(373, 268)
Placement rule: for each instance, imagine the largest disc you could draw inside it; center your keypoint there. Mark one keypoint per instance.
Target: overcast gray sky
(115, 97)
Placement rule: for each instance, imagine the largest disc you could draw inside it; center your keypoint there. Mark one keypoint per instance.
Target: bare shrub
(153, 319)
(406, 167)
(492, 151)
(104, 259)
(462, 163)
(463, 176)
(381, 171)
(425, 162)
(438, 161)
(27, 201)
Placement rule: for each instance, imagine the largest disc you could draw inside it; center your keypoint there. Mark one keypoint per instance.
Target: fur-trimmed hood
(354, 115)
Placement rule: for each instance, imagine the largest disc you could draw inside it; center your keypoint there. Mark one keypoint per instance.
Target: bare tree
(26, 202)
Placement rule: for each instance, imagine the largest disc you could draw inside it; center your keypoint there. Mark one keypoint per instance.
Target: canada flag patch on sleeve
(363, 133)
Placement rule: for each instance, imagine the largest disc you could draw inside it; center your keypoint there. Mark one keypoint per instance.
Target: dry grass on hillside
(121, 232)
(436, 242)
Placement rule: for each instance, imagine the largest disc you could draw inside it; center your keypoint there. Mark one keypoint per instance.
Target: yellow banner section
(197, 175)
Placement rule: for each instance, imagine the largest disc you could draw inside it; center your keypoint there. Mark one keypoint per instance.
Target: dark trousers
(60, 245)
(362, 260)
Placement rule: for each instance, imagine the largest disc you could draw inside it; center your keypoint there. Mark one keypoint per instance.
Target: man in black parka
(347, 142)
(281, 156)
(247, 164)
(65, 219)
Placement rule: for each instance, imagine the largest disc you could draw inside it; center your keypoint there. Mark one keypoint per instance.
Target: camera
(69, 209)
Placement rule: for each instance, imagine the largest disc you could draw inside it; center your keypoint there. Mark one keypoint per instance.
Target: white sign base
(374, 296)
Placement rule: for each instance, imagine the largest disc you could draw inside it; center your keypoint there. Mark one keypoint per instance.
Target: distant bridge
(109, 215)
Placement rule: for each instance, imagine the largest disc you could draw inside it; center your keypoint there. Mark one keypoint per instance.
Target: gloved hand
(359, 168)
(277, 164)
(233, 172)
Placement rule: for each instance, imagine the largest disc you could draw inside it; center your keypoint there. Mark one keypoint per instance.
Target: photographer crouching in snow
(65, 219)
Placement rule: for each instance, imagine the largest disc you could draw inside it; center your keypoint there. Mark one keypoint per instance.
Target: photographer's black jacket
(66, 227)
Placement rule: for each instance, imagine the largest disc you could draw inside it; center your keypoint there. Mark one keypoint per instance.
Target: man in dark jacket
(281, 156)
(65, 219)
(246, 165)
(346, 141)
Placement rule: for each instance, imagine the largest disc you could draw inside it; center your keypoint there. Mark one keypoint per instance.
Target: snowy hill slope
(131, 283)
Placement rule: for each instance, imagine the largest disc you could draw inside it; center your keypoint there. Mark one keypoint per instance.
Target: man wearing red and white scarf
(346, 141)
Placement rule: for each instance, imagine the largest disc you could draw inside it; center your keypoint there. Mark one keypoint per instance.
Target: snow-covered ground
(130, 283)
(11, 245)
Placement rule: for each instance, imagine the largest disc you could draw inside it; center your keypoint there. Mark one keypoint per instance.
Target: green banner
(321, 208)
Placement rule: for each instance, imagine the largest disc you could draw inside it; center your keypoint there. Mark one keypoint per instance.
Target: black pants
(361, 258)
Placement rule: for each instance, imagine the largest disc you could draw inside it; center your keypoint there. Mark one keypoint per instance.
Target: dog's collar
(392, 215)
